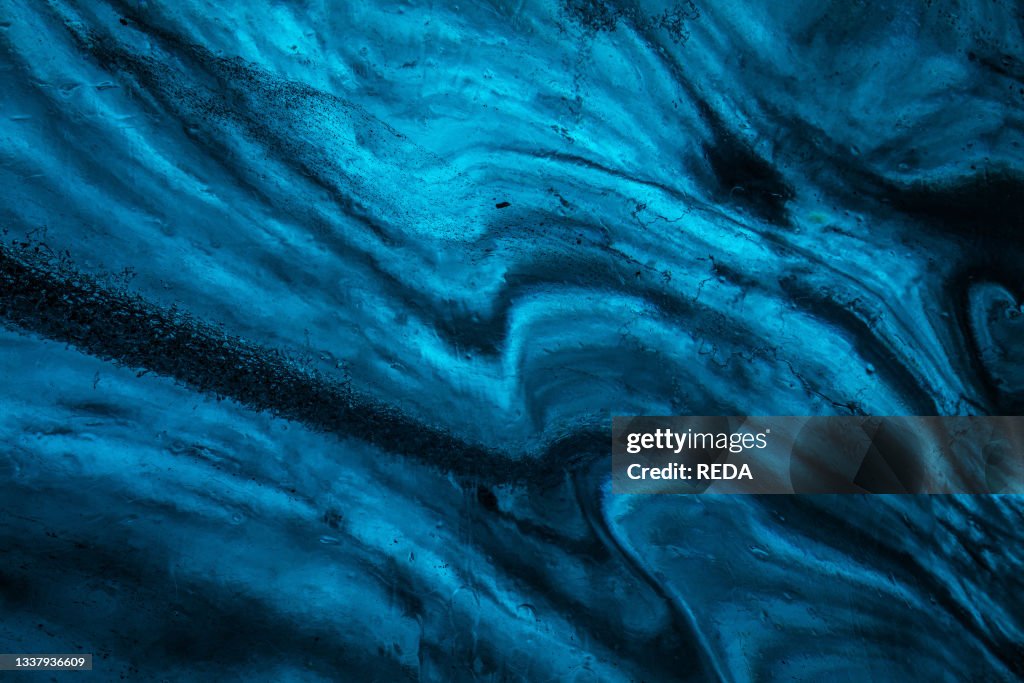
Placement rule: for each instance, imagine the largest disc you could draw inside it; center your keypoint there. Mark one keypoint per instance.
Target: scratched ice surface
(505, 222)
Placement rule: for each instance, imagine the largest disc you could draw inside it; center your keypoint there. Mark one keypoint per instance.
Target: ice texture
(464, 235)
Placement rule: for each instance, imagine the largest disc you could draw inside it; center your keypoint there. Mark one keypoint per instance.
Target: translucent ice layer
(500, 223)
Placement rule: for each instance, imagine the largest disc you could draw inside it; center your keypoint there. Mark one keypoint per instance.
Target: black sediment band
(46, 295)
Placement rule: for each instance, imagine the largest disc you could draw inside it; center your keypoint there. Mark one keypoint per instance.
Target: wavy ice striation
(724, 208)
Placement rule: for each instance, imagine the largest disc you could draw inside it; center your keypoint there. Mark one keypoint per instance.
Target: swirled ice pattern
(512, 219)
